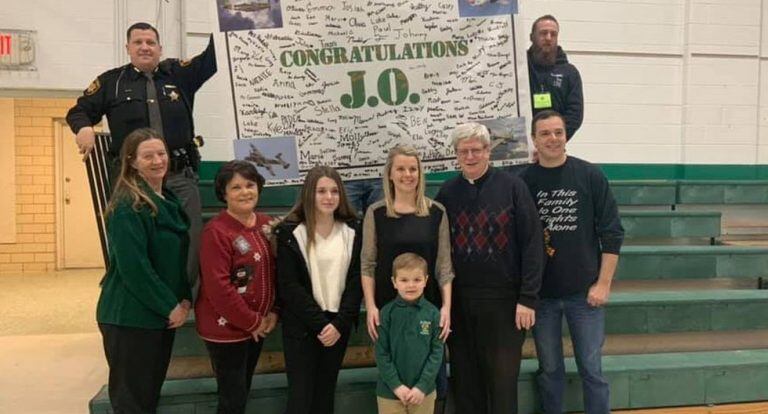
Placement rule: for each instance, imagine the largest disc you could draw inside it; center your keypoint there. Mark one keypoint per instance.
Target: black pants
(138, 361)
(233, 364)
(485, 349)
(184, 184)
(312, 371)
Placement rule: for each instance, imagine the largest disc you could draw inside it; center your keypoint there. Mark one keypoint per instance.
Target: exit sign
(17, 49)
(5, 44)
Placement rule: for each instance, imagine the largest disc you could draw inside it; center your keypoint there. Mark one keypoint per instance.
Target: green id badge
(542, 100)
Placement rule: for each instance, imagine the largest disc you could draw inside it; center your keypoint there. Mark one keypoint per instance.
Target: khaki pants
(387, 406)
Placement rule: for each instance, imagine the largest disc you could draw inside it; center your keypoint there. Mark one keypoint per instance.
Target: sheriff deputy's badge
(93, 87)
(174, 96)
(425, 325)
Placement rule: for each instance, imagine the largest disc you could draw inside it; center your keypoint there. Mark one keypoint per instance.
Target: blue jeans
(363, 193)
(587, 327)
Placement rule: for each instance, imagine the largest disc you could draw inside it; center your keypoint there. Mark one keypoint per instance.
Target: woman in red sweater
(236, 307)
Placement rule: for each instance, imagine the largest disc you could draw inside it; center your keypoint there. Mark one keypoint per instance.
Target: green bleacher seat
(644, 192)
(671, 224)
(692, 262)
(722, 192)
(683, 311)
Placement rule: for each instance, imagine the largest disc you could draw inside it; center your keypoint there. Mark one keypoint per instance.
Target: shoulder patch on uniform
(93, 87)
(185, 62)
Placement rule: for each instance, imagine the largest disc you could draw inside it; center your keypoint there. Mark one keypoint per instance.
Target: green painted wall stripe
(685, 172)
(621, 172)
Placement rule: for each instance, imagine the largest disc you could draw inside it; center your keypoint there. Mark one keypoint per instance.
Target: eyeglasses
(470, 151)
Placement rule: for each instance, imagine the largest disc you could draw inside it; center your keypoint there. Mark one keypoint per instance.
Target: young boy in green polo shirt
(409, 350)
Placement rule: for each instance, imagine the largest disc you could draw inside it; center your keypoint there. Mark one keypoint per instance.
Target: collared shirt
(409, 350)
(120, 94)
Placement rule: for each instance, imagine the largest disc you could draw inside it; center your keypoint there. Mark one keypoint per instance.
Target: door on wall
(78, 241)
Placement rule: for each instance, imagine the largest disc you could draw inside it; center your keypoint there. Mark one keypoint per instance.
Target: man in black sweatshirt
(497, 253)
(582, 238)
(555, 84)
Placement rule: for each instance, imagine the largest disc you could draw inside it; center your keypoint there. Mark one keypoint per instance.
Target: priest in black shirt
(582, 237)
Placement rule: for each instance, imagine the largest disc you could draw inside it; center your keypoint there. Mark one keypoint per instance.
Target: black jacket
(563, 82)
(120, 94)
(300, 312)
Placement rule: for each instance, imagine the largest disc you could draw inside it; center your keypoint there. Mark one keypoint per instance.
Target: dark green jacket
(409, 350)
(147, 276)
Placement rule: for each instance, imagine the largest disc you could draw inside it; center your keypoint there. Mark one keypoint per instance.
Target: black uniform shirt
(120, 94)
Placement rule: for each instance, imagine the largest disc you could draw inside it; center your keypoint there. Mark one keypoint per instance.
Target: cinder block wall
(34, 250)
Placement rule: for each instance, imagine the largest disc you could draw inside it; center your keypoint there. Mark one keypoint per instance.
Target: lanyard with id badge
(243, 274)
(542, 100)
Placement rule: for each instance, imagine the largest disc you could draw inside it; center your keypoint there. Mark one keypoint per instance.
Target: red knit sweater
(237, 279)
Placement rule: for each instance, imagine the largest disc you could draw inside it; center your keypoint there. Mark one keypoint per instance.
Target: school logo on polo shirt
(425, 326)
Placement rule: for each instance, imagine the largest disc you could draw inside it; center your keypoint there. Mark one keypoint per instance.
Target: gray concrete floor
(51, 359)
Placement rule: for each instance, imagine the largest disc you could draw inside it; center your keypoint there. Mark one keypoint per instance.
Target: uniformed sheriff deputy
(155, 94)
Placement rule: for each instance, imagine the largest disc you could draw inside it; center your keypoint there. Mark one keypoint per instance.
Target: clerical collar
(479, 179)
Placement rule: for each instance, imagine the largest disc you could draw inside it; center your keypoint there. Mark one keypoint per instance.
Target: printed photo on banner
(508, 138)
(475, 8)
(275, 157)
(249, 15)
(349, 82)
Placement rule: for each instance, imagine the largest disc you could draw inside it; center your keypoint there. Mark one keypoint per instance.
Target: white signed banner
(348, 80)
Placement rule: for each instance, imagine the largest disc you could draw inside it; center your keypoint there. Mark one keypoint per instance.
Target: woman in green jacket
(144, 294)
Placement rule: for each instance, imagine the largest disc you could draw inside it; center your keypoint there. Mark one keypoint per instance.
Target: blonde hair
(422, 202)
(409, 261)
(128, 182)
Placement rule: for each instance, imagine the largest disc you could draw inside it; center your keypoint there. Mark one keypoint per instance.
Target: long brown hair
(304, 209)
(128, 182)
(422, 203)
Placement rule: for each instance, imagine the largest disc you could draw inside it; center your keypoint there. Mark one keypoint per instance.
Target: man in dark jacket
(555, 83)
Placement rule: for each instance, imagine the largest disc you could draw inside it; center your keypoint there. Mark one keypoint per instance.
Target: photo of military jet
(249, 15)
(508, 139)
(275, 158)
(245, 7)
(257, 158)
